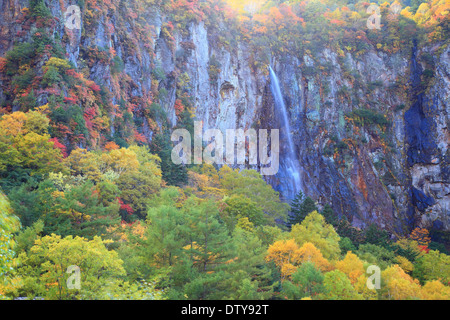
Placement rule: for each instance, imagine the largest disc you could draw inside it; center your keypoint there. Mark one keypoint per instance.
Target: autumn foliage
(86, 175)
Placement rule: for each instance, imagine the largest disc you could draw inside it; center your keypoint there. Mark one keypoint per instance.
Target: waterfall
(289, 160)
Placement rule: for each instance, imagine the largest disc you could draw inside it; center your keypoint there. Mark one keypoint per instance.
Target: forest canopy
(86, 178)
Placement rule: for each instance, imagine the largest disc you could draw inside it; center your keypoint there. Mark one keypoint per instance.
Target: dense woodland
(140, 227)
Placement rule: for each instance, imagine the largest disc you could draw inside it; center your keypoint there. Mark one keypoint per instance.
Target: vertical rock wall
(396, 178)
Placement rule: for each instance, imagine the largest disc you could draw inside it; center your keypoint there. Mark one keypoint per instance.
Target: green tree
(269, 234)
(301, 206)
(374, 235)
(26, 201)
(108, 192)
(433, 266)
(88, 216)
(314, 229)
(338, 287)
(9, 224)
(209, 247)
(77, 209)
(173, 174)
(250, 278)
(346, 245)
(44, 267)
(345, 229)
(376, 255)
(307, 281)
(238, 206)
(250, 184)
(166, 233)
(329, 215)
(138, 185)
(26, 237)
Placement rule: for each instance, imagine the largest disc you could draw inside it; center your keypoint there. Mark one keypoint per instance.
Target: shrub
(368, 117)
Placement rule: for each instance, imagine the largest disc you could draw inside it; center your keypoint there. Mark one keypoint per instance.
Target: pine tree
(210, 248)
(301, 206)
(173, 174)
(328, 214)
(250, 277)
(374, 235)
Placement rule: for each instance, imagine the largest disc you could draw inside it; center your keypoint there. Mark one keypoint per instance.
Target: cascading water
(289, 160)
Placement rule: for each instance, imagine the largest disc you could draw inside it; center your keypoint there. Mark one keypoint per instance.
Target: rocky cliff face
(397, 177)
(427, 138)
(388, 164)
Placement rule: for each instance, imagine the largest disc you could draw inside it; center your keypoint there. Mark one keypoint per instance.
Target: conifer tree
(301, 206)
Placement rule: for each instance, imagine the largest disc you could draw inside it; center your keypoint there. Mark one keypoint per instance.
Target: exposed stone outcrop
(397, 178)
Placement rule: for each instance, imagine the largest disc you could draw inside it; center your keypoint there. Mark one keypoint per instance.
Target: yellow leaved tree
(314, 229)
